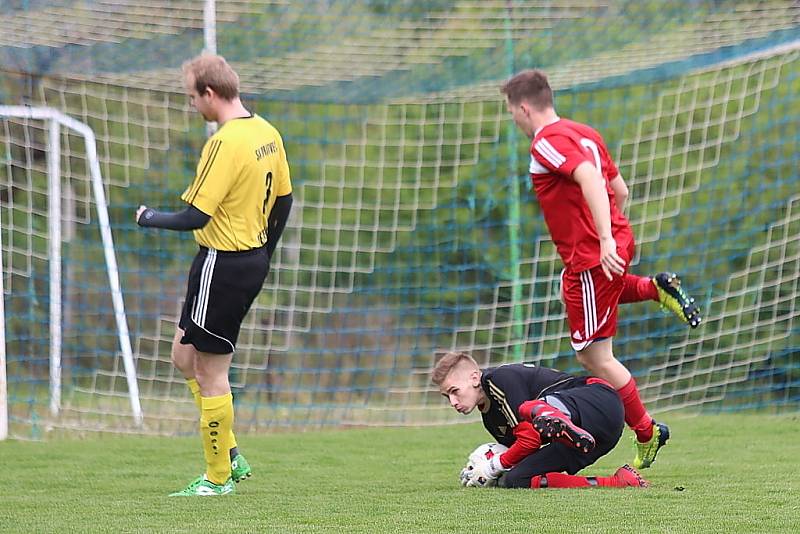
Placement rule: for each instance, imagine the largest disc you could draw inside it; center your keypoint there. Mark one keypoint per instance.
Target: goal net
(414, 229)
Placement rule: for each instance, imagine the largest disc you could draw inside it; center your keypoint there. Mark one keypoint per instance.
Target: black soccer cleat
(555, 427)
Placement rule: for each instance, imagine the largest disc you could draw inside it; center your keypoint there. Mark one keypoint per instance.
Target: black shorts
(597, 409)
(222, 286)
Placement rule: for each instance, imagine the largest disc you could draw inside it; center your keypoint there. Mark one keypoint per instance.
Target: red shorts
(591, 300)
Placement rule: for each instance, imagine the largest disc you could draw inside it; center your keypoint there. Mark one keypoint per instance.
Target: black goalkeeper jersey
(508, 386)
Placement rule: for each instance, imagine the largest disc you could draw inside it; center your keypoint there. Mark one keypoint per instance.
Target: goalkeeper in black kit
(554, 423)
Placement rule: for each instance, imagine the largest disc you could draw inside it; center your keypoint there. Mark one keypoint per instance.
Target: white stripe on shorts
(201, 304)
(589, 304)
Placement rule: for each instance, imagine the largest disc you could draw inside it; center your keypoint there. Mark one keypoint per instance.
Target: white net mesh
(412, 228)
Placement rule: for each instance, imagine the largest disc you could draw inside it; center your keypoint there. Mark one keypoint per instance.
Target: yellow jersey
(242, 169)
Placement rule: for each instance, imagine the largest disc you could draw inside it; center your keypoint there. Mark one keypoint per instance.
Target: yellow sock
(216, 421)
(194, 387)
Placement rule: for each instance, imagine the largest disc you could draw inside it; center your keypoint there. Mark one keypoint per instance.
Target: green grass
(739, 473)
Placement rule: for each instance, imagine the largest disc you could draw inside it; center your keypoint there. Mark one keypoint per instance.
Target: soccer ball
(478, 457)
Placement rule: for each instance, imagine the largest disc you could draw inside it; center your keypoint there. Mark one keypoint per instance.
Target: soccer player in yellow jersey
(238, 204)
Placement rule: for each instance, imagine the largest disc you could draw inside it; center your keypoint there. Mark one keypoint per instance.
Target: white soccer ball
(478, 458)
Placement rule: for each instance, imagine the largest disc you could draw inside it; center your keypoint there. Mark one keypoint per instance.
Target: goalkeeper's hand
(483, 473)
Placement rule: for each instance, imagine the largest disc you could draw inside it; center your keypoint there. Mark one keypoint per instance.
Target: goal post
(3, 378)
(55, 121)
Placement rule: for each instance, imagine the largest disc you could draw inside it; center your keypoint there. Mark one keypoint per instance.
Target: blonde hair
(209, 70)
(531, 86)
(447, 363)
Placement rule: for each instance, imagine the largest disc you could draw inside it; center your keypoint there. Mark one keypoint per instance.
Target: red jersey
(556, 150)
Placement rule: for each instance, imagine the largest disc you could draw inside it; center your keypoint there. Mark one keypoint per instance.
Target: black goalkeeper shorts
(597, 409)
(221, 288)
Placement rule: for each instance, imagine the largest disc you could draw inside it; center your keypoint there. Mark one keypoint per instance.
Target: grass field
(739, 473)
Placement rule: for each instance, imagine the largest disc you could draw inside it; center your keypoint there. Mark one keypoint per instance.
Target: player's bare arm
(594, 192)
(620, 189)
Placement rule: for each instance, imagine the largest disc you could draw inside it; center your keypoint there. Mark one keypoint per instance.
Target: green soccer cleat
(240, 469)
(646, 452)
(673, 298)
(203, 487)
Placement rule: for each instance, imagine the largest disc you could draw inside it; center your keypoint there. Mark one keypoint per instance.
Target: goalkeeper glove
(484, 473)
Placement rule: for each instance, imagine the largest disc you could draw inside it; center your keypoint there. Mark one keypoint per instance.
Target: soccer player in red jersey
(576, 183)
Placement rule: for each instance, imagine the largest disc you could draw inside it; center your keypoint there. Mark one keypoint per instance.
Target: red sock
(530, 409)
(636, 415)
(611, 482)
(637, 289)
(624, 477)
(562, 480)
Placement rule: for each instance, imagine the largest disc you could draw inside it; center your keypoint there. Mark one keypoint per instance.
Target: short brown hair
(210, 70)
(447, 363)
(531, 86)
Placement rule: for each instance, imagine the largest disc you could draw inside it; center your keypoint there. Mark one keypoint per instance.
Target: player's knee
(589, 362)
(583, 359)
(211, 372)
(597, 357)
(183, 358)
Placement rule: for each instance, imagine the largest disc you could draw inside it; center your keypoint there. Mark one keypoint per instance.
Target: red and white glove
(483, 474)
